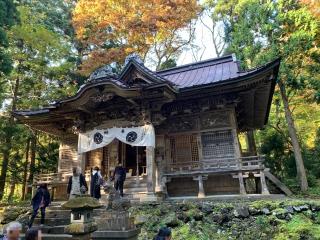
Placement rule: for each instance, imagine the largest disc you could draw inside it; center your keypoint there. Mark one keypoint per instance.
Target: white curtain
(135, 136)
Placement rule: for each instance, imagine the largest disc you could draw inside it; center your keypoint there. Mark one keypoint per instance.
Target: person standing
(41, 200)
(96, 182)
(119, 176)
(77, 184)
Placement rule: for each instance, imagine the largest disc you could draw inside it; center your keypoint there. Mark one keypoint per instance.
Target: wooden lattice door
(184, 149)
(217, 144)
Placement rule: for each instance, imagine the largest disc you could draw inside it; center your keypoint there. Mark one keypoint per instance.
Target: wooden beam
(277, 182)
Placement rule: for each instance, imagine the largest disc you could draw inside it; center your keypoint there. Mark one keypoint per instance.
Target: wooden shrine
(196, 110)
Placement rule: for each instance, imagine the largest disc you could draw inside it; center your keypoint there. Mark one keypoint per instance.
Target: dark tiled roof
(204, 72)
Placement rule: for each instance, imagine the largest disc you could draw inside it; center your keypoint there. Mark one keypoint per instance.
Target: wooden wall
(94, 158)
(182, 186)
(221, 184)
(68, 157)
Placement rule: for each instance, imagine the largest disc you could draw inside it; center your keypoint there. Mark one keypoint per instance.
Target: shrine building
(176, 130)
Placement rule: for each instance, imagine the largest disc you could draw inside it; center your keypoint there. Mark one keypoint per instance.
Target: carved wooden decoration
(216, 119)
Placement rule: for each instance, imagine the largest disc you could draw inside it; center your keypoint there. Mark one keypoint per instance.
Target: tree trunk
(12, 189)
(251, 143)
(33, 145)
(8, 140)
(25, 172)
(301, 172)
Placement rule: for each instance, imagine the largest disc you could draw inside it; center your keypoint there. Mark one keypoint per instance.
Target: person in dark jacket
(163, 234)
(119, 176)
(33, 234)
(77, 184)
(96, 182)
(41, 200)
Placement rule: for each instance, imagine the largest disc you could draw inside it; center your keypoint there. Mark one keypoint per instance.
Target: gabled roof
(203, 72)
(211, 77)
(134, 64)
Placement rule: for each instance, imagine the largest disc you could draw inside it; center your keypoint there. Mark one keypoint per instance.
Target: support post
(137, 170)
(264, 188)
(150, 169)
(81, 157)
(158, 177)
(201, 192)
(241, 184)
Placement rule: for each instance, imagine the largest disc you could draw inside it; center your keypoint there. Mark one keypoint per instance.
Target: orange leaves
(314, 6)
(110, 29)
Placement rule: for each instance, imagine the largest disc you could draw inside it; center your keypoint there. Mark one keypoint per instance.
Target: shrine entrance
(133, 159)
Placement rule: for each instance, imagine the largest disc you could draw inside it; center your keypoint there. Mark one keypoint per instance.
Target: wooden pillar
(201, 191)
(264, 188)
(137, 166)
(150, 169)
(241, 184)
(81, 157)
(158, 177)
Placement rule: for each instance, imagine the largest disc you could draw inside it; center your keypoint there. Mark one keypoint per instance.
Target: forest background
(48, 49)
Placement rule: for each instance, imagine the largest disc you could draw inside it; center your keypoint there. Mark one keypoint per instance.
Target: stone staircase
(55, 221)
(135, 190)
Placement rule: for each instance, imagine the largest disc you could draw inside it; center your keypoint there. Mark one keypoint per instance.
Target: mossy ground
(208, 220)
(216, 220)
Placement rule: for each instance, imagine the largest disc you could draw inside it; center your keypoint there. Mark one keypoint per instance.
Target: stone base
(81, 228)
(116, 235)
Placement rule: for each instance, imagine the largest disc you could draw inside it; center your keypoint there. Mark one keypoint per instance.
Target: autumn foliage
(112, 29)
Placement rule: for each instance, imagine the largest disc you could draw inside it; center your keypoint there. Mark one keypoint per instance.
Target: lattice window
(184, 148)
(217, 144)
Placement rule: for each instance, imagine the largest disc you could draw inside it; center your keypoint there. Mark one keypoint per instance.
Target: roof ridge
(197, 63)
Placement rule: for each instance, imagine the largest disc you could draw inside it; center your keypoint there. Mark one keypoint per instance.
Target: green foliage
(168, 64)
(299, 227)
(42, 49)
(8, 17)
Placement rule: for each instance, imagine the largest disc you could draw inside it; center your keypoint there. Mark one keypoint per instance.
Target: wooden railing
(217, 165)
(55, 178)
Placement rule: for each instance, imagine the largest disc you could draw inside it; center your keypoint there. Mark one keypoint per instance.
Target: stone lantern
(82, 222)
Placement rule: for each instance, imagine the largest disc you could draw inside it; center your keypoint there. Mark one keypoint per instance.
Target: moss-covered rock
(84, 202)
(12, 213)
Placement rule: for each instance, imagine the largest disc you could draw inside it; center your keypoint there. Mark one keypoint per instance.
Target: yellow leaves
(131, 25)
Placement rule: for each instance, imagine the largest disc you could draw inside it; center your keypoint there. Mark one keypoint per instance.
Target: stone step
(135, 190)
(55, 208)
(53, 229)
(135, 185)
(53, 221)
(57, 214)
(46, 236)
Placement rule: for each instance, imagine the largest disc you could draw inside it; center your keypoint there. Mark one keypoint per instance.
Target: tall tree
(41, 59)
(261, 31)
(8, 17)
(111, 29)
